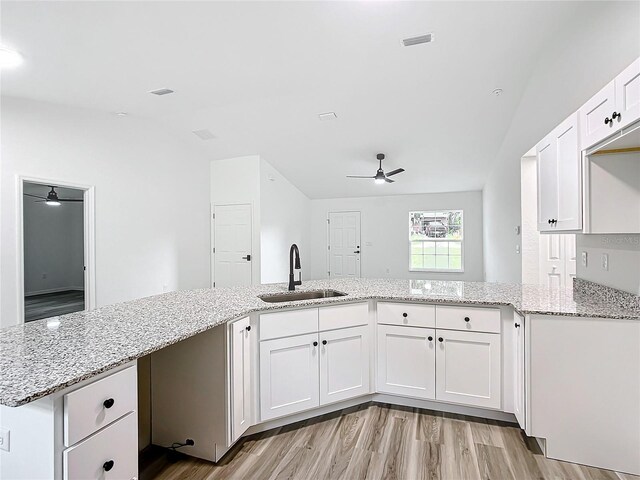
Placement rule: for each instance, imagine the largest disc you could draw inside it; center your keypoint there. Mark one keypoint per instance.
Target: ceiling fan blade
(359, 176)
(35, 196)
(393, 172)
(70, 200)
(388, 180)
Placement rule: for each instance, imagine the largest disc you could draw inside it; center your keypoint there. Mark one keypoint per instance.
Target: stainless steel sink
(297, 296)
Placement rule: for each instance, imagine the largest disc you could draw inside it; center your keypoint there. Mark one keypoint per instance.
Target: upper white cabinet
(240, 377)
(612, 108)
(468, 368)
(559, 180)
(289, 381)
(344, 364)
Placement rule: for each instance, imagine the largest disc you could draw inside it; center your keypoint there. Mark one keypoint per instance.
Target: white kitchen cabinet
(344, 364)
(240, 378)
(519, 384)
(559, 179)
(289, 375)
(406, 361)
(468, 368)
(614, 107)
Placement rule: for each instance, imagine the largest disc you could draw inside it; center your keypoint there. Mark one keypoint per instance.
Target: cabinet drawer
(287, 324)
(90, 408)
(468, 318)
(341, 316)
(110, 454)
(407, 314)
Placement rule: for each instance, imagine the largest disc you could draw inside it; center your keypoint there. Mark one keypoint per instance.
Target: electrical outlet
(518, 249)
(584, 259)
(5, 437)
(605, 261)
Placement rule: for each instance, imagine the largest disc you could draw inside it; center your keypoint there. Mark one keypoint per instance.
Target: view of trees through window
(435, 240)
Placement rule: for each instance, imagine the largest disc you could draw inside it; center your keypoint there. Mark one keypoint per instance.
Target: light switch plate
(605, 261)
(584, 259)
(5, 437)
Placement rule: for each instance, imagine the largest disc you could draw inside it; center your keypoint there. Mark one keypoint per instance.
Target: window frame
(461, 241)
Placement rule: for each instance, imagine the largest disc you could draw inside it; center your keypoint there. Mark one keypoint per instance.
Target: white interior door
(232, 245)
(344, 244)
(557, 259)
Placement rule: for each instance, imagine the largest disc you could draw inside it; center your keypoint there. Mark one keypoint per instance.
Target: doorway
(56, 248)
(344, 245)
(232, 252)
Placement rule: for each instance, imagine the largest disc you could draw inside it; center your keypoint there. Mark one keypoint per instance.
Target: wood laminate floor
(53, 304)
(375, 441)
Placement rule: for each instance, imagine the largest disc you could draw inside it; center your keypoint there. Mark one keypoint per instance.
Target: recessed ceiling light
(162, 91)
(497, 92)
(9, 58)
(418, 39)
(122, 114)
(327, 116)
(204, 134)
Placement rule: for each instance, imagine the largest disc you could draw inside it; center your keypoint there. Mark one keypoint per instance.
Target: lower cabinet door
(406, 361)
(344, 364)
(240, 378)
(468, 368)
(519, 384)
(289, 380)
(110, 454)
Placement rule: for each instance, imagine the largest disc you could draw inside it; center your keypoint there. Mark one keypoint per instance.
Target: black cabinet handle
(247, 258)
(430, 338)
(315, 344)
(324, 342)
(467, 319)
(440, 339)
(549, 221)
(248, 328)
(108, 465)
(608, 121)
(615, 115)
(405, 315)
(517, 325)
(108, 403)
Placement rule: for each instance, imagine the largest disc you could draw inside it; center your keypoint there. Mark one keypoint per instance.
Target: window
(435, 241)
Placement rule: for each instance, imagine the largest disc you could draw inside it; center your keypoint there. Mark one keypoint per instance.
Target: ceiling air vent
(162, 91)
(426, 38)
(204, 134)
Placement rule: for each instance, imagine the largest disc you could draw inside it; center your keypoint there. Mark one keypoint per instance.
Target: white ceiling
(257, 75)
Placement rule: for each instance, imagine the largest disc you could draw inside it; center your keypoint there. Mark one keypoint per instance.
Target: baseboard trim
(54, 290)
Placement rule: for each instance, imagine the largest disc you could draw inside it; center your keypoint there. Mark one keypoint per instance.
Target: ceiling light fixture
(418, 39)
(122, 114)
(162, 91)
(204, 134)
(497, 92)
(9, 58)
(327, 116)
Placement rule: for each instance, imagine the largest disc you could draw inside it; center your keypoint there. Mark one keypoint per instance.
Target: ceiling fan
(52, 198)
(380, 177)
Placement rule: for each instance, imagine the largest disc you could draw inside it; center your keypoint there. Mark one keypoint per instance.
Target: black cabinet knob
(315, 344)
(467, 319)
(248, 328)
(405, 315)
(108, 465)
(517, 325)
(324, 342)
(549, 221)
(430, 338)
(108, 403)
(615, 115)
(440, 339)
(608, 121)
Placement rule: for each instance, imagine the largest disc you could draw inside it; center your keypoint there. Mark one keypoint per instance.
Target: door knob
(440, 339)
(108, 465)
(247, 258)
(315, 344)
(324, 342)
(357, 251)
(517, 325)
(108, 403)
(430, 338)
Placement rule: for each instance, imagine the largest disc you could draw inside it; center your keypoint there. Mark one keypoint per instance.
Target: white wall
(624, 260)
(53, 246)
(581, 60)
(237, 180)
(151, 197)
(384, 233)
(284, 219)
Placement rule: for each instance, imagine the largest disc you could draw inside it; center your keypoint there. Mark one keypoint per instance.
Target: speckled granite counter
(42, 357)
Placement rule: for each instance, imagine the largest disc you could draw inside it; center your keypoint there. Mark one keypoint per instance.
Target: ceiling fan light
(53, 203)
(379, 181)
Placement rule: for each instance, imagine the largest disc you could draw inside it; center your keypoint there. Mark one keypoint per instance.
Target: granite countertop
(45, 356)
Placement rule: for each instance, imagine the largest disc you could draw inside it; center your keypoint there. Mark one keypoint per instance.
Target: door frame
(89, 232)
(328, 238)
(212, 242)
